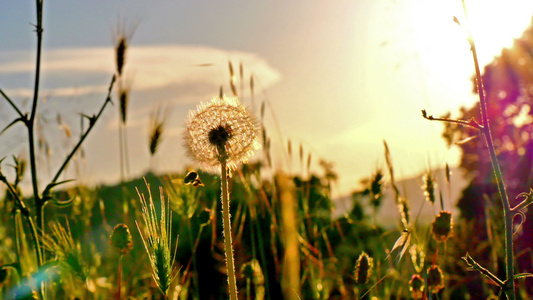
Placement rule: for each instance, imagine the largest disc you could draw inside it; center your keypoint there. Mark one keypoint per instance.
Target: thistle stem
(228, 244)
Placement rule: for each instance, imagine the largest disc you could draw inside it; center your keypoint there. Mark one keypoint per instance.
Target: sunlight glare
(496, 23)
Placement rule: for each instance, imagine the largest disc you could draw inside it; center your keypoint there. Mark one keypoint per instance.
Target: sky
(337, 77)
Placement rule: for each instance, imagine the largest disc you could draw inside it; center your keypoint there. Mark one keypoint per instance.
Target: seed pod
(120, 239)
(416, 286)
(441, 228)
(435, 279)
(363, 268)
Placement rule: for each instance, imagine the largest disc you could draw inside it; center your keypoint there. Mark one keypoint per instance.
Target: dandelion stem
(228, 244)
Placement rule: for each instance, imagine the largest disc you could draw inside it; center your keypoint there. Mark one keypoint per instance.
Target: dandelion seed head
(221, 129)
(220, 135)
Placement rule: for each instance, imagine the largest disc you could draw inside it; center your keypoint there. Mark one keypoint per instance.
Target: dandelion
(441, 228)
(222, 132)
(363, 268)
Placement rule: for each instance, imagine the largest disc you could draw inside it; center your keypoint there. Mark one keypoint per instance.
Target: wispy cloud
(71, 72)
(59, 92)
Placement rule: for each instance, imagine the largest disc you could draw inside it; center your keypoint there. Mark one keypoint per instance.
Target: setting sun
(495, 24)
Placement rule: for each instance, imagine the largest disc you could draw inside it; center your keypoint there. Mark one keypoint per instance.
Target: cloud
(164, 65)
(150, 67)
(59, 92)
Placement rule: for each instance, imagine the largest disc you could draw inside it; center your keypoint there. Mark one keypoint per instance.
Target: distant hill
(411, 189)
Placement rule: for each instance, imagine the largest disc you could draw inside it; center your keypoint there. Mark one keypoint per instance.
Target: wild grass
(245, 227)
(157, 240)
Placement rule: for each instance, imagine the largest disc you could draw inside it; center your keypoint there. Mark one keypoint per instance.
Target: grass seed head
(429, 188)
(163, 270)
(122, 35)
(376, 188)
(120, 53)
(68, 253)
(20, 169)
(157, 240)
(403, 209)
(158, 123)
(123, 92)
(363, 268)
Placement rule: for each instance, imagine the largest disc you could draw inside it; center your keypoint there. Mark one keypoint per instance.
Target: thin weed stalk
(507, 286)
(31, 121)
(28, 119)
(119, 278)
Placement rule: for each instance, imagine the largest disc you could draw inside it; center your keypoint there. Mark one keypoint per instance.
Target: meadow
(236, 227)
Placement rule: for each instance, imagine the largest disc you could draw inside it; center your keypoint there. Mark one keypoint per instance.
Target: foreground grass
(327, 254)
